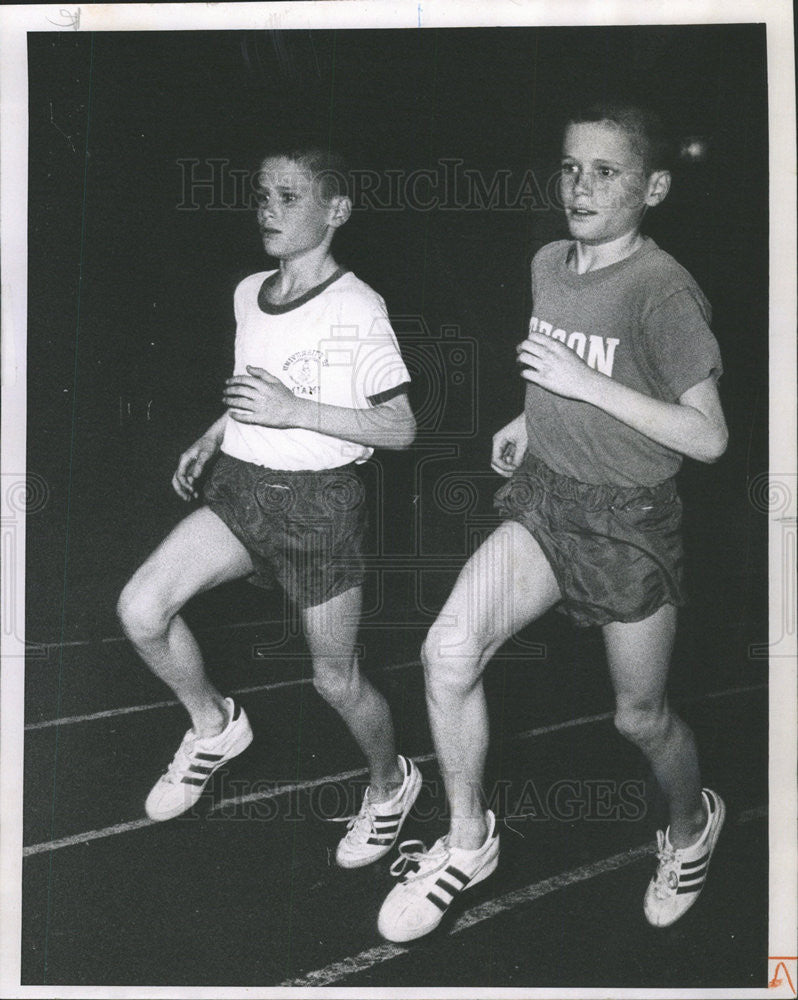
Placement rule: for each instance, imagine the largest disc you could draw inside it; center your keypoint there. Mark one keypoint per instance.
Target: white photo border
(17, 21)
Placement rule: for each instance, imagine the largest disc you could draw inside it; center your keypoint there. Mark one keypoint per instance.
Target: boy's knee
(141, 614)
(448, 668)
(336, 683)
(642, 723)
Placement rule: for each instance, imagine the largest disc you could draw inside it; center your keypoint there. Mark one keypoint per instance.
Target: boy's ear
(340, 210)
(659, 184)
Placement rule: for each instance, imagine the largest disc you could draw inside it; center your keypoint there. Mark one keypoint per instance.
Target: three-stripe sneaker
(681, 872)
(373, 832)
(196, 759)
(417, 905)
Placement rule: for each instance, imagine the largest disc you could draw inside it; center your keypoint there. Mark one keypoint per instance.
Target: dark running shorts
(304, 530)
(616, 552)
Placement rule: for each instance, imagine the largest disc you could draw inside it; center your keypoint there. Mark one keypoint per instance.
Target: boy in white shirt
(318, 384)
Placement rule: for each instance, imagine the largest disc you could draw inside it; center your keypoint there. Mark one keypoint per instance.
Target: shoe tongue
(188, 742)
(441, 844)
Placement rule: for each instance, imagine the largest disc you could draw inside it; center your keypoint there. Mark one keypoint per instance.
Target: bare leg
(331, 630)
(639, 657)
(506, 584)
(198, 554)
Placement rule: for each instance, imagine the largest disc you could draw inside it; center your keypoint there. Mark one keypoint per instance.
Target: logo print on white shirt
(303, 369)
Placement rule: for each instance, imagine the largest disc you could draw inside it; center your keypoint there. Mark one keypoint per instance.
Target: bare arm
(387, 425)
(260, 398)
(693, 426)
(194, 459)
(215, 432)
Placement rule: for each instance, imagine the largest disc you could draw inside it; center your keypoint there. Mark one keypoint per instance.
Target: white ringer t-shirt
(334, 344)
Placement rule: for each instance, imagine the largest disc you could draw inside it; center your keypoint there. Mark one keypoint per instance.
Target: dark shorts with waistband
(303, 530)
(616, 552)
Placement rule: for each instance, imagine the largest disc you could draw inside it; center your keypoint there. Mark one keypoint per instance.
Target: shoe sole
(416, 779)
(720, 811)
(197, 790)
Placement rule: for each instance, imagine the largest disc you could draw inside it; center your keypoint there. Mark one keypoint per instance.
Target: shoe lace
(414, 863)
(361, 826)
(181, 760)
(667, 878)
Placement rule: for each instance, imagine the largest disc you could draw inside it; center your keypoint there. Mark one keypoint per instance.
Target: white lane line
(301, 786)
(111, 713)
(73, 643)
(87, 835)
(364, 960)
(271, 793)
(70, 720)
(354, 964)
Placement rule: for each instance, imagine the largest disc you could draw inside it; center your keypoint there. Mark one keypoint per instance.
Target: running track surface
(243, 890)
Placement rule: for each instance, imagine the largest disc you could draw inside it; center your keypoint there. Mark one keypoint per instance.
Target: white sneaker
(417, 905)
(195, 761)
(682, 871)
(373, 832)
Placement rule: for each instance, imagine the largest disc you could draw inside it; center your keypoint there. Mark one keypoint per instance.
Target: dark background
(130, 296)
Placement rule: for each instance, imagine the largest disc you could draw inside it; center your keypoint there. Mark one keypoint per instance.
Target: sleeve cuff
(383, 397)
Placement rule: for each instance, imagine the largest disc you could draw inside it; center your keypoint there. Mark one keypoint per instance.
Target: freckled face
(291, 216)
(603, 185)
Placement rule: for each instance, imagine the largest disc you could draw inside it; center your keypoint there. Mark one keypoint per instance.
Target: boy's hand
(190, 467)
(509, 445)
(260, 398)
(554, 366)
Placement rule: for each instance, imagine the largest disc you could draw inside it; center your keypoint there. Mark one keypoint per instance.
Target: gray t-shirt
(642, 321)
